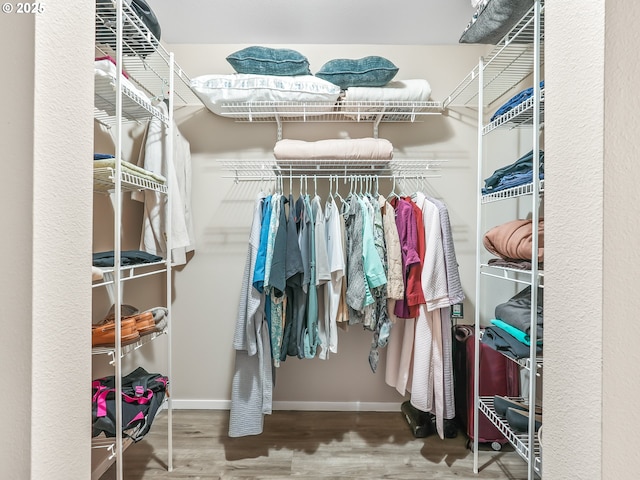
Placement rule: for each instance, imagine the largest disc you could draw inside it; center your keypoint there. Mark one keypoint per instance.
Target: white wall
(46, 217)
(207, 289)
(620, 328)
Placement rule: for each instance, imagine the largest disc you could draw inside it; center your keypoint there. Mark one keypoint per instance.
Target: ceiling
(376, 22)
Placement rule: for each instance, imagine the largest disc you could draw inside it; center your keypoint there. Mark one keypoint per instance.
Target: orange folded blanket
(513, 240)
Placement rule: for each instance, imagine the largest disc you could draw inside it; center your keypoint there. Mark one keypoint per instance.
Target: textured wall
(620, 327)
(46, 138)
(16, 137)
(574, 203)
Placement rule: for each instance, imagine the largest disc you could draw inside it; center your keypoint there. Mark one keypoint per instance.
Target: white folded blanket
(334, 149)
(130, 168)
(416, 90)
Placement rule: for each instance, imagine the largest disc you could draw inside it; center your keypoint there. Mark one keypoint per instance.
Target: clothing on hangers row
(386, 263)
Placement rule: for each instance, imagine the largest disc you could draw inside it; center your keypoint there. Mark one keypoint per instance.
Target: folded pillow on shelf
(258, 60)
(371, 71)
(217, 90)
(364, 149)
(493, 20)
(514, 240)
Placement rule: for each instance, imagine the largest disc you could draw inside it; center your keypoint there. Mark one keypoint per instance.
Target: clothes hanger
(393, 193)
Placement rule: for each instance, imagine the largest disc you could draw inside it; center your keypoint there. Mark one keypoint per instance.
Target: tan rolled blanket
(513, 240)
(334, 149)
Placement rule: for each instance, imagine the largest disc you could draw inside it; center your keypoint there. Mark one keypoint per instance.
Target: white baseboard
(298, 406)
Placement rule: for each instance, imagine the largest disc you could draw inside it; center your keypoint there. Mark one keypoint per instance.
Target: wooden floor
(309, 445)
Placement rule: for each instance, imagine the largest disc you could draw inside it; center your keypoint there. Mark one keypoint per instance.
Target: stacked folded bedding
(413, 90)
(129, 168)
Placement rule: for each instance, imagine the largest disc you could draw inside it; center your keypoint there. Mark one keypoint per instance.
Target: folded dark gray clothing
(501, 341)
(127, 257)
(517, 311)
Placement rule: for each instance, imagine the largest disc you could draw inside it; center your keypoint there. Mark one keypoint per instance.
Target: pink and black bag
(142, 396)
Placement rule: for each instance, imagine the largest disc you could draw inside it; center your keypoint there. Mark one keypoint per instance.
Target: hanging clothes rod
(255, 178)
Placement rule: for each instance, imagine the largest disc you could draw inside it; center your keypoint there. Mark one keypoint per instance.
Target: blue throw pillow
(269, 61)
(370, 71)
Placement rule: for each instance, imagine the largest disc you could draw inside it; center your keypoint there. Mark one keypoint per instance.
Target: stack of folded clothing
(516, 100)
(518, 173)
(510, 331)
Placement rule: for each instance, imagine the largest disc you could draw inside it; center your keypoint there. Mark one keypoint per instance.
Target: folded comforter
(513, 240)
(414, 90)
(334, 149)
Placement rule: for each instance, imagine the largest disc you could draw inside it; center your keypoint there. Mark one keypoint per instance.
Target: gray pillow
(493, 21)
(372, 71)
(269, 61)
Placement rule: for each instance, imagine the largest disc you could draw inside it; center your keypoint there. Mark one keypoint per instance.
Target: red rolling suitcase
(498, 376)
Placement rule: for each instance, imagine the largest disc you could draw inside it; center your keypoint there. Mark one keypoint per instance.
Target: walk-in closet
(316, 239)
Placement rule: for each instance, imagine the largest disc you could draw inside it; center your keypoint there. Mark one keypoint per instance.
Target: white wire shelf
(127, 349)
(145, 60)
(513, 192)
(511, 274)
(520, 441)
(519, 116)
(104, 181)
(104, 460)
(526, 362)
(508, 64)
(131, 272)
(341, 111)
(135, 107)
(257, 169)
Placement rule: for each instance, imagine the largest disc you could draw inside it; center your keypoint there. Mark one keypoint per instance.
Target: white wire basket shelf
(145, 60)
(127, 349)
(104, 181)
(513, 192)
(257, 169)
(131, 272)
(345, 111)
(520, 441)
(511, 274)
(134, 107)
(509, 63)
(519, 116)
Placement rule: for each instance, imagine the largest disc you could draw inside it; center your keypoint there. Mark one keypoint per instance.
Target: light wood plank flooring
(309, 445)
